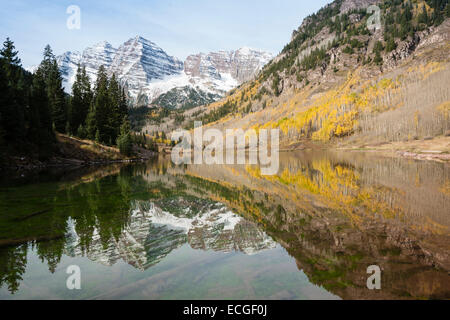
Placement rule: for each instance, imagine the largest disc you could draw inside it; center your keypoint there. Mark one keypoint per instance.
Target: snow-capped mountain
(240, 65)
(139, 62)
(148, 71)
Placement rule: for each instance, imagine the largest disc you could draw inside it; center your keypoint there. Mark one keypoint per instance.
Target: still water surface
(158, 231)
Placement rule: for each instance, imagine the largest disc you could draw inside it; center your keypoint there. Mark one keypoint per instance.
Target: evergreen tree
(276, 84)
(378, 59)
(86, 90)
(377, 49)
(405, 21)
(55, 91)
(40, 129)
(440, 10)
(123, 107)
(9, 55)
(91, 122)
(25, 120)
(13, 94)
(102, 106)
(81, 132)
(3, 91)
(124, 142)
(423, 17)
(115, 119)
(80, 100)
(391, 45)
(47, 61)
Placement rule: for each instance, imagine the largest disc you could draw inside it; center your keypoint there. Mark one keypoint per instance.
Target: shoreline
(436, 149)
(71, 152)
(62, 163)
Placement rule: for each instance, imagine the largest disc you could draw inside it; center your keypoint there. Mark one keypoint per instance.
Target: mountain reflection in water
(330, 215)
(151, 233)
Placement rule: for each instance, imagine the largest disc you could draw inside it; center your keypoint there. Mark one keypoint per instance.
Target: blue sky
(180, 27)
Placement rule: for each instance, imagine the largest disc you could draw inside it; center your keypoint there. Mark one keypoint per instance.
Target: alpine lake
(154, 230)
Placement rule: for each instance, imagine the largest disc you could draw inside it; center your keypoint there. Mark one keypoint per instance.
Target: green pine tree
(123, 106)
(3, 92)
(115, 116)
(377, 49)
(55, 90)
(81, 133)
(124, 141)
(423, 17)
(9, 54)
(390, 45)
(102, 106)
(276, 84)
(80, 100)
(91, 122)
(41, 126)
(13, 94)
(378, 59)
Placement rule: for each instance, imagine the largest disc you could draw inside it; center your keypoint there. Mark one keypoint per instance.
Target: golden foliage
(336, 112)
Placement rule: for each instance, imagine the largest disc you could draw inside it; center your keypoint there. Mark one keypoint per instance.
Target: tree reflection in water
(334, 213)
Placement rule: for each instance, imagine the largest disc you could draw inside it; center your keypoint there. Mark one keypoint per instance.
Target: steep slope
(185, 98)
(139, 61)
(340, 81)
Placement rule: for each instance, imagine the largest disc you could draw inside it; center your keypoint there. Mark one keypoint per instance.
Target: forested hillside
(30, 105)
(341, 80)
(33, 107)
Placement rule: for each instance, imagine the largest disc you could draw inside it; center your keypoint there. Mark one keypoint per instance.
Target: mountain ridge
(147, 71)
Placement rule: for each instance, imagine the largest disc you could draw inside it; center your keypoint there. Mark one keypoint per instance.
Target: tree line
(34, 106)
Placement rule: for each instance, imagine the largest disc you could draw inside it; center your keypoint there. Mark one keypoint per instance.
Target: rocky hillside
(339, 80)
(184, 98)
(148, 71)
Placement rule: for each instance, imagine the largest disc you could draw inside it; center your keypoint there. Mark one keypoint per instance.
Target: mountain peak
(142, 40)
(139, 39)
(149, 71)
